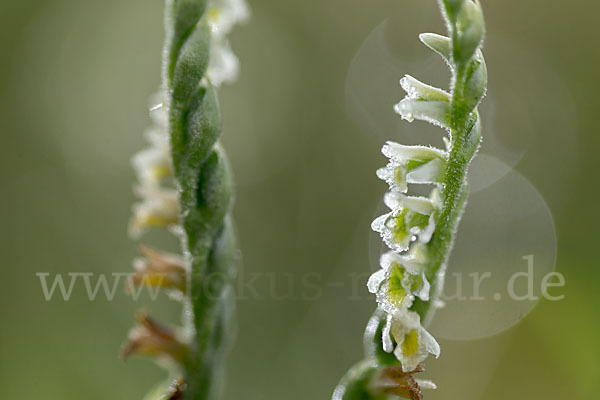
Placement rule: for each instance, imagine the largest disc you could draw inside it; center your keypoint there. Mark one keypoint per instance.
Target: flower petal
(434, 112)
(375, 281)
(223, 66)
(416, 89)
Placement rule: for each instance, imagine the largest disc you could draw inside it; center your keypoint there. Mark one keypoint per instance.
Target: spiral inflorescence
(420, 231)
(185, 185)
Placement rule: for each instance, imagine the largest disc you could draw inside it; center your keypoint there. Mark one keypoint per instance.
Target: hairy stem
(204, 182)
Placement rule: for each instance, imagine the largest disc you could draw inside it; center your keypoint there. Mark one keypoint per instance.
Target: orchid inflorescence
(185, 186)
(420, 231)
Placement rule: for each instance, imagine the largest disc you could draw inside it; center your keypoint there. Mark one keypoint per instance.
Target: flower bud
(452, 8)
(470, 28)
(476, 81)
(474, 135)
(418, 90)
(438, 43)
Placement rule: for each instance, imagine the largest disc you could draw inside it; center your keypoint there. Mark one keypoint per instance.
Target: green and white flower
(400, 279)
(417, 90)
(153, 164)
(420, 231)
(404, 335)
(411, 217)
(412, 164)
(424, 102)
(223, 15)
(224, 66)
(159, 208)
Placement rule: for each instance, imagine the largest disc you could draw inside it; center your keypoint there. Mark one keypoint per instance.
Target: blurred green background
(303, 128)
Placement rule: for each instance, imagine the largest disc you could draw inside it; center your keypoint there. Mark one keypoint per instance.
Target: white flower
(159, 208)
(223, 15)
(434, 112)
(410, 217)
(153, 164)
(424, 102)
(400, 279)
(223, 66)
(410, 342)
(158, 111)
(412, 164)
(418, 90)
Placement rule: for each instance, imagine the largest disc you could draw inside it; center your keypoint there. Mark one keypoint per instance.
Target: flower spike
(420, 231)
(185, 185)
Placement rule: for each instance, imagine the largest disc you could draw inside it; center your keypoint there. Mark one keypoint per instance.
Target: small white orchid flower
(408, 340)
(223, 15)
(400, 279)
(153, 164)
(159, 113)
(410, 217)
(417, 90)
(224, 65)
(159, 208)
(424, 102)
(412, 164)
